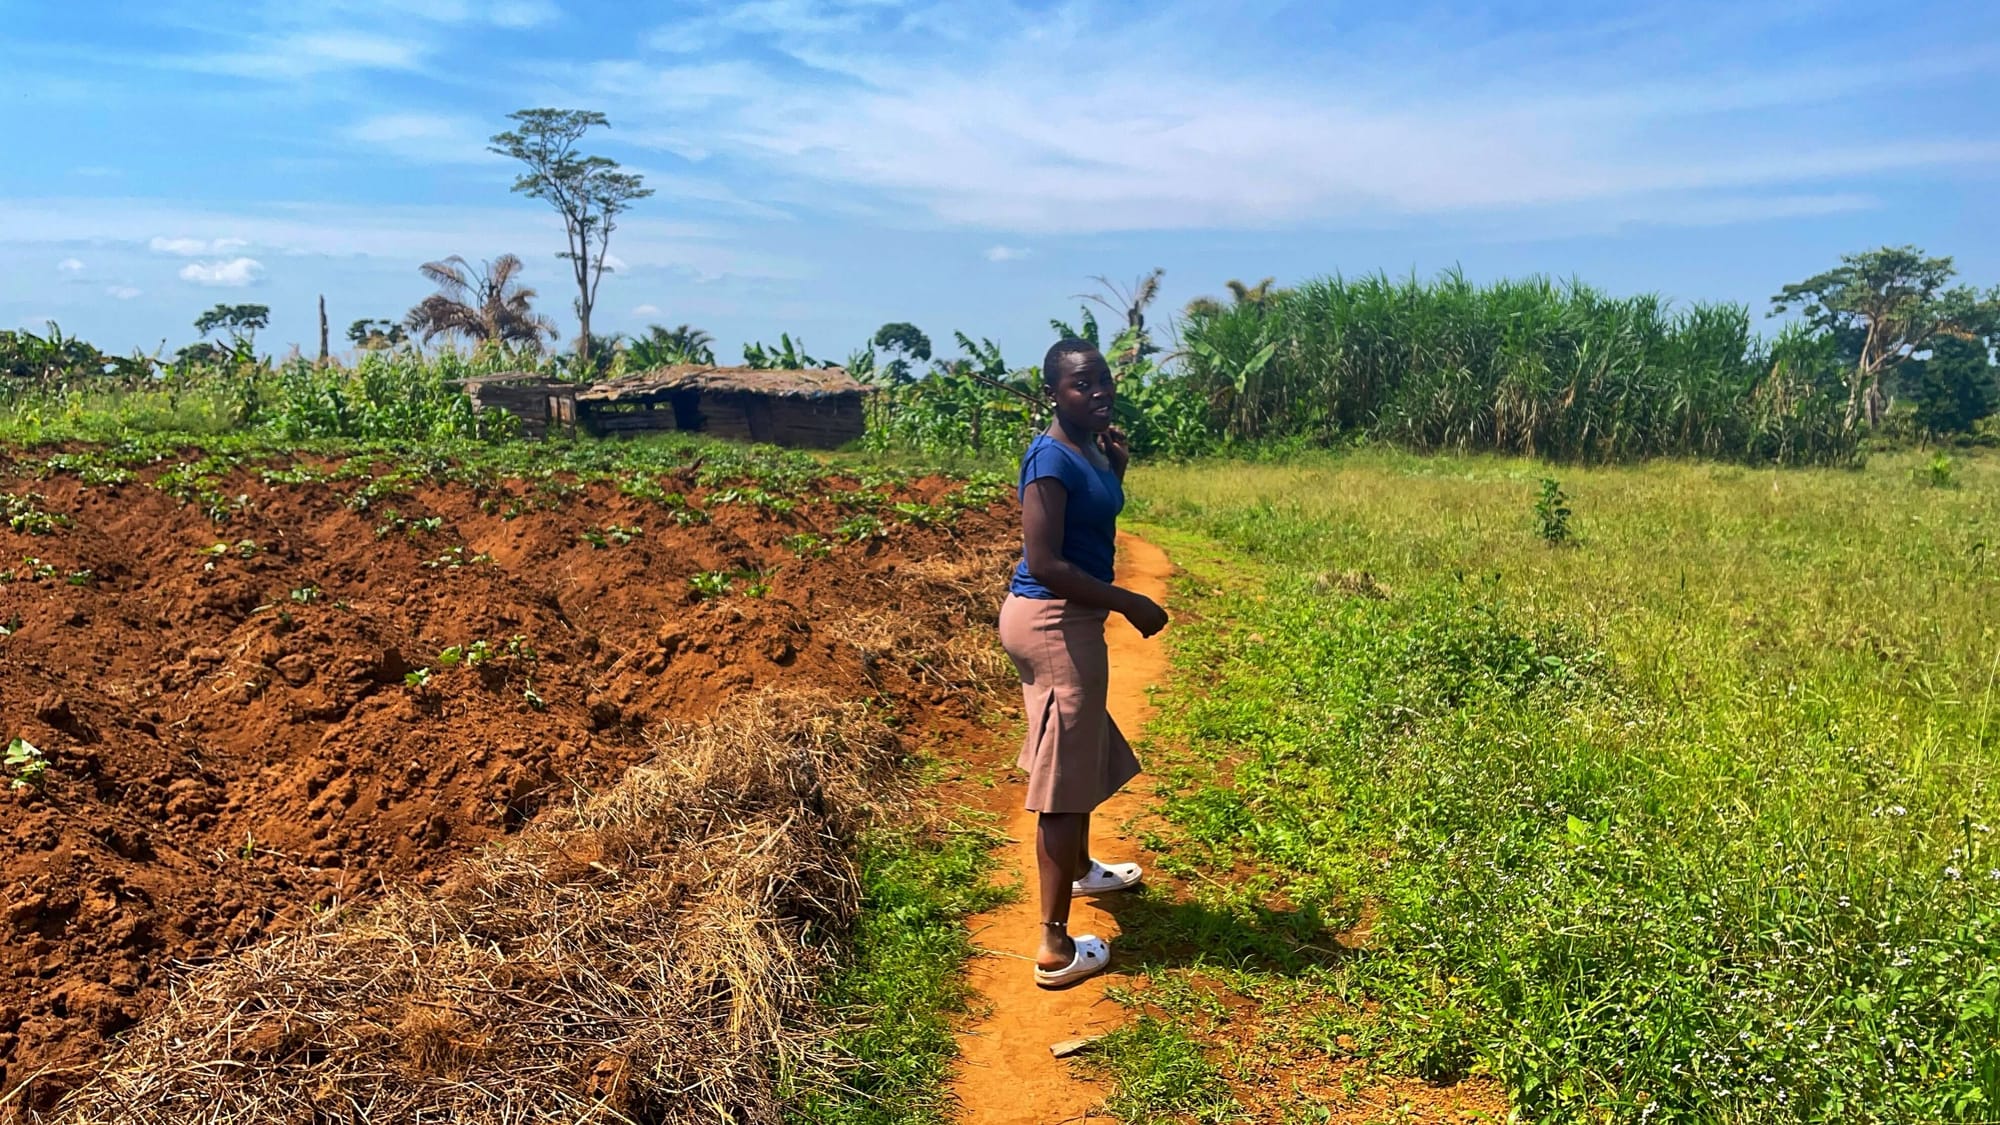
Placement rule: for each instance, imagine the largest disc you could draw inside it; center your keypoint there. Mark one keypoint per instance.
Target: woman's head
(1079, 383)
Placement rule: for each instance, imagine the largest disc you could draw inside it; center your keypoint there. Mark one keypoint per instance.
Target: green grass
(903, 983)
(1690, 820)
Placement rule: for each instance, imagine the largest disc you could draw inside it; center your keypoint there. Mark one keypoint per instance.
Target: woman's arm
(1043, 505)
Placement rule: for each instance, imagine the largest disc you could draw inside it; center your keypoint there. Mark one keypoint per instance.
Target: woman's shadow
(1155, 931)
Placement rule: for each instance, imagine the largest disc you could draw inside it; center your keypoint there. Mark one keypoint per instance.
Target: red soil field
(234, 737)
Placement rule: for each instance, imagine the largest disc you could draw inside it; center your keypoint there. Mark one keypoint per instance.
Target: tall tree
(239, 322)
(367, 333)
(1885, 306)
(589, 192)
(906, 345)
(1131, 305)
(1259, 294)
(486, 305)
(1954, 387)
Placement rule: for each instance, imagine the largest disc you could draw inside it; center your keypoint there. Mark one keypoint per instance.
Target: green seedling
(307, 595)
(531, 699)
(28, 764)
(854, 529)
(456, 557)
(25, 514)
(1552, 512)
(921, 515)
(81, 577)
(806, 545)
(242, 549)
(420, 677)
(710, 584)
(31, 570)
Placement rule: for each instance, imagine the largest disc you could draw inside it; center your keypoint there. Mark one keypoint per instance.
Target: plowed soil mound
(281, 711)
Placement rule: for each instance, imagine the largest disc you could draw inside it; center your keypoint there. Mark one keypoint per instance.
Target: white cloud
(517, 14)
(404, 234)
(195, 247)
(614, 264)
(646, 310)
(924, 111)
(69, 266)
(306, 54)
(1007, 253)
(123, 292)
(426, 138)
(232, 274)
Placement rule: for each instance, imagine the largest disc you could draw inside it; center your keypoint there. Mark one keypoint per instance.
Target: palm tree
(1258, 294)
(1131, 304)
(664, 347)
(488, 306)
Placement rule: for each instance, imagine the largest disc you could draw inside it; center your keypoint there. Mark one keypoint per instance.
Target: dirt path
(1006, 1075)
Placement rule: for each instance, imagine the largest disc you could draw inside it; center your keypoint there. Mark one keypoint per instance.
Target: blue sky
(824, 166)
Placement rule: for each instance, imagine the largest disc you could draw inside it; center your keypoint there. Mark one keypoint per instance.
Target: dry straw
(649, 954)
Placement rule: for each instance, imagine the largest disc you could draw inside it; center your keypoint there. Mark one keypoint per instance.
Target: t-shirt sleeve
(1046, 462)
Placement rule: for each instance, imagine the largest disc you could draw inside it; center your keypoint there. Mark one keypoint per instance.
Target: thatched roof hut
(818, 407)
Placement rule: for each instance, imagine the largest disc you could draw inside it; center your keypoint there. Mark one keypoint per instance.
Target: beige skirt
(1074, 754)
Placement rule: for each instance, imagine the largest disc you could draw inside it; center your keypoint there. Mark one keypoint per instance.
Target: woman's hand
(1145, 615)
(1117, 449)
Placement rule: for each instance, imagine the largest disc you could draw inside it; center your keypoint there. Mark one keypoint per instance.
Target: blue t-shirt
(1090, 519)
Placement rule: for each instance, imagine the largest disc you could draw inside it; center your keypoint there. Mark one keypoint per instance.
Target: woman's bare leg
(1059, 839)
(1083, 849)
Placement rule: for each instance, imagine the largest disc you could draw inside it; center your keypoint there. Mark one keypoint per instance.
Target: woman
(1052, 625)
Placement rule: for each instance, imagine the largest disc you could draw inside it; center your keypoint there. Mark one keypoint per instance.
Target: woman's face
(1084, 392)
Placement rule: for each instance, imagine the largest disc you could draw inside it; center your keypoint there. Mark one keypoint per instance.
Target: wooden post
(322, 330)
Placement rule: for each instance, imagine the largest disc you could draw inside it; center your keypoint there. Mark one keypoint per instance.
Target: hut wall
(818, 423)
(530, 404)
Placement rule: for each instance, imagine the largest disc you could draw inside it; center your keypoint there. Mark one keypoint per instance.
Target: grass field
(1688, 818)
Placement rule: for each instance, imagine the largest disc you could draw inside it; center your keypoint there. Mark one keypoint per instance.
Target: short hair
(1052, 362)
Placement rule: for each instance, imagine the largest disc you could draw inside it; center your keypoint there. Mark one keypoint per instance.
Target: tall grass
(1690, 820)
(1557, 370)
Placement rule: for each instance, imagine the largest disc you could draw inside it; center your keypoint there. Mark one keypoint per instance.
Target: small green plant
(242, 549)
(806, 545)
(921, 515)
(711, 584)
(28, 764)
(758, 582)
(1552, 512)
(31, 570)
(307, 595)
(82, 577)
(420, 677)
(533, 700)
(455, 557)
(1940, 471)
(854, 529)
(25, 514)
(10, 626)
